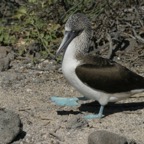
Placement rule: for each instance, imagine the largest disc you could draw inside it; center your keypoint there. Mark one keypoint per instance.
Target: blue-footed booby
(95, 77)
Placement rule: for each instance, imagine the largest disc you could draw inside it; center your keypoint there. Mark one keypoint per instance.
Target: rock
(3, 51)
(77, 123)
(6, 55)
(10, 126)
(4, 63)
(105, 137)
(11, 56)
(131, 141)
(12, 79)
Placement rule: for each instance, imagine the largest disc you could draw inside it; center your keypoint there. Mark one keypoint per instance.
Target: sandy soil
(28, 94)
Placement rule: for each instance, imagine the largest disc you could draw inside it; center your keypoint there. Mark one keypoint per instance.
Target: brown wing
(108, 76)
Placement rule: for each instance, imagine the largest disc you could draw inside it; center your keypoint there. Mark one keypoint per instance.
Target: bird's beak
(68, 37)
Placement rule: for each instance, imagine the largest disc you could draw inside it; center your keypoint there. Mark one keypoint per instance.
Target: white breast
(68, 67)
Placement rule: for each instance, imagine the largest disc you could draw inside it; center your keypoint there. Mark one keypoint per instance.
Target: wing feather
(106, 75)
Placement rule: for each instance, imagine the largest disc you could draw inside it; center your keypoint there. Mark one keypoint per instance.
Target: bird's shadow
(111, 108)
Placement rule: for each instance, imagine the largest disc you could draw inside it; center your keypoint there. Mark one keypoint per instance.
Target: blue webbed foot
(93, 116)
(63, 101)
(73, 101)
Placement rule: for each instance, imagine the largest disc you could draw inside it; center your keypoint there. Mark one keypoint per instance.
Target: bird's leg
(67, 101)
(99, 115)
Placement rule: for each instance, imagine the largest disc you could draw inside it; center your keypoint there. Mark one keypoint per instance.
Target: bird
(95, 77)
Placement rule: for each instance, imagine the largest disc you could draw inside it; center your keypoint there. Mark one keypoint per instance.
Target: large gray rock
(105, 137)
(10, 126)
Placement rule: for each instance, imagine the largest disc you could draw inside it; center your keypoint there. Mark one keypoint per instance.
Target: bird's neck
(78, 46)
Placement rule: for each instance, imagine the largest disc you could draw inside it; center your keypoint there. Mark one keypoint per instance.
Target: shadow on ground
(21, 135)
(111, 108)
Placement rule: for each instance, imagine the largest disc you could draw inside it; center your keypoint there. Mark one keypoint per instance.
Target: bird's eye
(73, 31)
(79, 32)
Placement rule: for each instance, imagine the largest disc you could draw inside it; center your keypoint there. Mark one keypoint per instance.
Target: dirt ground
(27, 92)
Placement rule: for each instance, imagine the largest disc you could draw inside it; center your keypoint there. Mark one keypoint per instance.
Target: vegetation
(40, 22)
